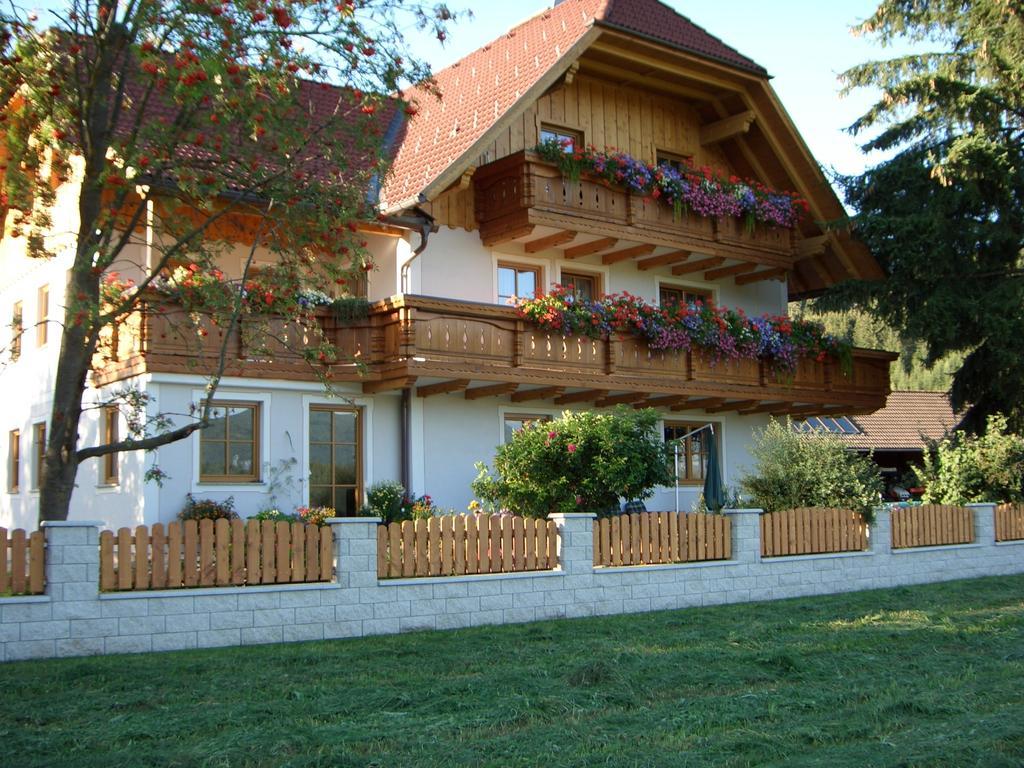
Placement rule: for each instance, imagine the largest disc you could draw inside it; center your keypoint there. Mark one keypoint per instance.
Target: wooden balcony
(442, 346)
(526, 199)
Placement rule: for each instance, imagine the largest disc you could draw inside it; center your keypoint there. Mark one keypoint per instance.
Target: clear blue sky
(804, 44)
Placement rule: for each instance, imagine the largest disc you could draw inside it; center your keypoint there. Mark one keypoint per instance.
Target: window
(229, 446)
(516, 421)
(674, 160)
(669, 295)
(42, 315)
(570, 140)
(111, 417)
(586, 286)
(693, 458)
(14, 461)
(39, 443)
(17, 329)
(335, 459)
(840, 425)
(517, 280)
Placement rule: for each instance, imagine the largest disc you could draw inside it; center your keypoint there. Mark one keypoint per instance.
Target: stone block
(166, 606)
(519, 615)
(81, 590)
(175, 641)
(215, 603)
(45, 630)
(116, 609)
(381, 626)
(429, 607)
(25, 612)
(339, 629)
(57, 572)
(358, 612)
(392, 610)
(78, 609)
(190, 622)
(314, 614)
(260, 635)
(300, 598)
(482, 588)
(94, 627)
(128, 644)
(451, 590)
(496, 602)
(462, 604)
(417, 623)
(80, 554)
(528, 599)
(258, 601)
(303, 632)
(141, 625)
(30, 649)
(228, 620)
(81, 646)
(218, 638)
(274, 617)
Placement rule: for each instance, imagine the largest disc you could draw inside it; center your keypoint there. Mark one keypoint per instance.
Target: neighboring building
(898, 434)
(449, 368)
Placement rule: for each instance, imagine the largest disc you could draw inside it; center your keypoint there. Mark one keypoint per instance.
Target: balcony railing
(522, 190)
(441, 345)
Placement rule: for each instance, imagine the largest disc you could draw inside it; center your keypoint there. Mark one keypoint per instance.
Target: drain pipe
(423, 223)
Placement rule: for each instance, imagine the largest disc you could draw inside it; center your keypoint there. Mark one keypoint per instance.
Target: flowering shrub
(701, 191)
(208, 509)
(580, 462)
(315, 515)
(724, 334)
(275, 515)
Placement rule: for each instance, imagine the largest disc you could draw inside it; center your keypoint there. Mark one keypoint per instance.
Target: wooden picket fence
(22, 564)
(651, 538)
(931, 525)
(1010, 522)
(456, 545)
(215, 554)
(811, 531)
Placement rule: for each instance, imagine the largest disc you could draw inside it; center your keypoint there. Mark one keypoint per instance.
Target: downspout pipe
(423, 223)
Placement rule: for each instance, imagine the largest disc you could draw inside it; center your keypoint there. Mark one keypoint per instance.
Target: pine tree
(945, 213)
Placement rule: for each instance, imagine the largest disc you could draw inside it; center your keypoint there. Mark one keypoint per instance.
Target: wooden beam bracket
(589, 249)
(492, 390)
(726, 128)
(586, 396)
(442, 387)
(550, 241)
(541, 393)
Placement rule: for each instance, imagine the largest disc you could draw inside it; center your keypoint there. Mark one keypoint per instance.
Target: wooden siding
(608, 116)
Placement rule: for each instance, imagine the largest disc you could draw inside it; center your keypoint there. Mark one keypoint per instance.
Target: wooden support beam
(543, 243)
(664, 259)
(442, 387)
(726, 128)
(738, 405)
(388, 385)
(570, 73)
(812, 246)
(467, 177)
(493, 390)
(628, 397)
(588, 249)
(542, 393)
(704, 402)
(507, 235)
(628, 253)
(779, 273)
(586, 396)
(697, 266)
(765, 408)
(735, 269)
(662, 402)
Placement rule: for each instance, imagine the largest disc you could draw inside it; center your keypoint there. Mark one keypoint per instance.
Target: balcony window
(669, 295)
(517, 280)
(229, 446)
(675, 161)
(516, 421)
(585, 286)
(693, 457)
(569, 139)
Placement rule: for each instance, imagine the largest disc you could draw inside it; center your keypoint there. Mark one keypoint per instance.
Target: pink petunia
(571, 447)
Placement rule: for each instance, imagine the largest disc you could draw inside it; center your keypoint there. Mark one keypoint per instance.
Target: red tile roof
(482, 87)
(907, 419)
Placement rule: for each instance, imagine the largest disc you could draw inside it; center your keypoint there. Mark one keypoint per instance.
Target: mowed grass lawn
(921, 676)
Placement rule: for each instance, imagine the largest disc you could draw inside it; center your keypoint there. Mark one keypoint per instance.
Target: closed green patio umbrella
(714, 489)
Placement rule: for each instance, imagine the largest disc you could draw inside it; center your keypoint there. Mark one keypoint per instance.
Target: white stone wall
(74, 619)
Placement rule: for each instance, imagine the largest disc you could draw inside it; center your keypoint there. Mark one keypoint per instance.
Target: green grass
(924, 676)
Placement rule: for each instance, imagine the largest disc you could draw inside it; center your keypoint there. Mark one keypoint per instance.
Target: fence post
(880, 540)
(72, 560)
(575, 541)
(984, 523)
(355, 550)
(746, 534)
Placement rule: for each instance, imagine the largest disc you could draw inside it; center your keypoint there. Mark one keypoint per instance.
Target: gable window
(335, 459)
(669, 295)
(693, 457)
(14, 461)
(675, 161)
(517, 280)
(39, 454)
(514, 422)
(111, 417)
(585, 286)
(42, 315)
(569, 139)
(17, 329)
(229, 446)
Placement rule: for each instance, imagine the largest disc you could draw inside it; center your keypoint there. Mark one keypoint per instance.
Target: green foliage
(275, 515)
(809, 470)
(208, 509)
(580, 462)
(944, 214)
(384, 500)
(966, 468)
(864, 329)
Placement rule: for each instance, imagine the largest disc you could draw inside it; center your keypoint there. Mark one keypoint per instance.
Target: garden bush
(580, 462)
(208, 509)
(963, 468)
(809, 470)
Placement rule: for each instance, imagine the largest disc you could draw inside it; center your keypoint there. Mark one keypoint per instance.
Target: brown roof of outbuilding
(478, 90)
(906, 421)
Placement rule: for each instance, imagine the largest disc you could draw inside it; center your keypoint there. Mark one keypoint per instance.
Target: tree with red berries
(176, 123)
